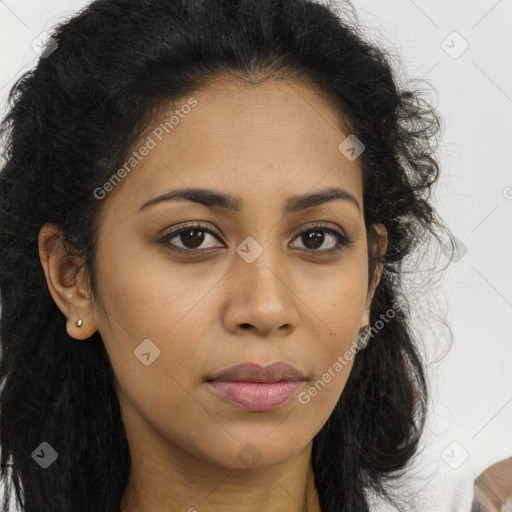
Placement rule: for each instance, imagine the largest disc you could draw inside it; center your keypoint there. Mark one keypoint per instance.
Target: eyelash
(343, 240)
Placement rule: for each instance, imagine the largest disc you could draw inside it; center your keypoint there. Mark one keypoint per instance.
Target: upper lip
(252, 372)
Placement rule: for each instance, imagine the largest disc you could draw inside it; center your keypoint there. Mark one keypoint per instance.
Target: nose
(262, 296)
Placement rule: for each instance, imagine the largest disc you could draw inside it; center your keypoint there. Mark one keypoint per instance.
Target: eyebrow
(210, 197)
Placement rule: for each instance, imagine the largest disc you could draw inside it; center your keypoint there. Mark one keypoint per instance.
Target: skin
(261, 143)
(493, 487)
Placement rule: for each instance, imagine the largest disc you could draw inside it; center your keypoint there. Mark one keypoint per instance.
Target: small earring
(79, 323)
(363, 339)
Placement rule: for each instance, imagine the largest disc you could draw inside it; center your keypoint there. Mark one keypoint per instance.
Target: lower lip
(256, 396)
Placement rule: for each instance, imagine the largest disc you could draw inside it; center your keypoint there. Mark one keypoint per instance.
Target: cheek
(175, 306)
(339, 303)
(160, 399)
(146, 295)
(320, 396)
(338, 310)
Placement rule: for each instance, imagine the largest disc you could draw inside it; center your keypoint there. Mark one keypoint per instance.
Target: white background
(470, 425)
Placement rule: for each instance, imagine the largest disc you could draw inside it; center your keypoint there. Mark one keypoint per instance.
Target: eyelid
(195, 224)
(342, 238)
(322, 224)
(344, 241)
(175, 232)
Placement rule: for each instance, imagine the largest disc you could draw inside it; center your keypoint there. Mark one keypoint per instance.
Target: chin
(257, 452)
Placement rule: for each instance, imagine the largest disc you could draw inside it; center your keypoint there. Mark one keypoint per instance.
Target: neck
(196, 486)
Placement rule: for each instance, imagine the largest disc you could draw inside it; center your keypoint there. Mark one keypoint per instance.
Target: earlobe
(80, 329)
(64, 278)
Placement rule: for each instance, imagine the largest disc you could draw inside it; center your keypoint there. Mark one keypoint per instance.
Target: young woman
(205, 209)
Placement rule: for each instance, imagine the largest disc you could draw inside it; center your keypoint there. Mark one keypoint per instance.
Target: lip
(257, 388)
(253, 372)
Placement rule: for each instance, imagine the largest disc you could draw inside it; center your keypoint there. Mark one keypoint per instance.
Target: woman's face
(250, 285)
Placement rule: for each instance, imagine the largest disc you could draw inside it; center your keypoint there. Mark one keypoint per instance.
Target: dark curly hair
(76, 116)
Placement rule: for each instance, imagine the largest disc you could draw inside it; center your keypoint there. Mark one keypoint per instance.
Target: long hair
(72, 121)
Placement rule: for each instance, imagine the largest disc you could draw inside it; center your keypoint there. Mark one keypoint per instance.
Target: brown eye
(194, 238)
(322, 239)
(191, 238)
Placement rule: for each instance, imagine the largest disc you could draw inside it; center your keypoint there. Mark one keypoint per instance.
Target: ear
(382, 244)
(66, 282)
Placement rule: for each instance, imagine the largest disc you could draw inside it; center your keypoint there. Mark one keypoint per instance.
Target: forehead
(281, 110)
(267, 138)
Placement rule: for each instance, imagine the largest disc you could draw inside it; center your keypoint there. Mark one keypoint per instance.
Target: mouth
(257, 388)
